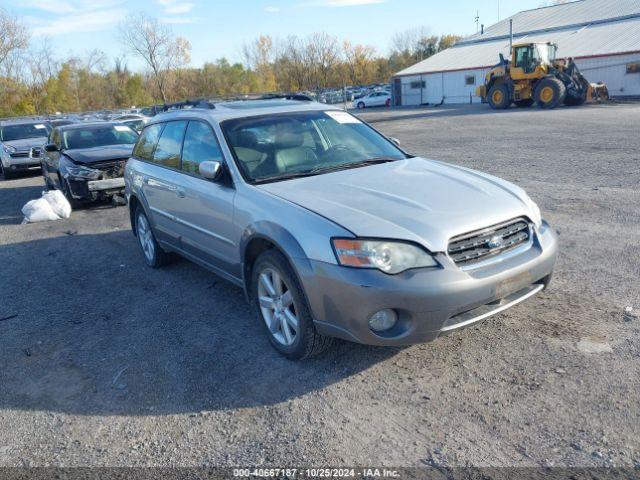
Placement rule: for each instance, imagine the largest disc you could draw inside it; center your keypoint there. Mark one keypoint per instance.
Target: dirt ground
(105, 362)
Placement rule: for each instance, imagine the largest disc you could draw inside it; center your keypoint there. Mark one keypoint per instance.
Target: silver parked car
(329, 227)
(21, 142)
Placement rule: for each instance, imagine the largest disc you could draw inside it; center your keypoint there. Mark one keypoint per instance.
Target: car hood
(419, 200)
(27, 144)
(99, 154)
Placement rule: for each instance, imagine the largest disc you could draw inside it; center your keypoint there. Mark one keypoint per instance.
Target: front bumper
(22, 163)
(94, 189)
(429, 302)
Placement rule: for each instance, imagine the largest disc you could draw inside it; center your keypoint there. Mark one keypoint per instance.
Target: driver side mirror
(51, 147)
(211, 170)
(395, 140)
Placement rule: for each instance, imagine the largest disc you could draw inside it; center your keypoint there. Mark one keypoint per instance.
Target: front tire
(550, 93)
(7, 175)
(153, 254)
(361, 105)
(282, 308)
(66, 189)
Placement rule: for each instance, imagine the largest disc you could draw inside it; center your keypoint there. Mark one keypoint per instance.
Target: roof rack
(196, 103)
(298, 97)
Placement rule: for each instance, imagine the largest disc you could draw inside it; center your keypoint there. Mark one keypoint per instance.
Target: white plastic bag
(58, 202)
(39, 211)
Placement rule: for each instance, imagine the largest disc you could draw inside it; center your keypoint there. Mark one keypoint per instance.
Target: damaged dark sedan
(86, 160)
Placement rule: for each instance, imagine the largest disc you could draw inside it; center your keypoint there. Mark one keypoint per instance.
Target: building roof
(581, 29)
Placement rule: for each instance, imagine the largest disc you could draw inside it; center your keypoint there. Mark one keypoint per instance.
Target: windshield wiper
(321, 169)
(285, 176)
(346, 166)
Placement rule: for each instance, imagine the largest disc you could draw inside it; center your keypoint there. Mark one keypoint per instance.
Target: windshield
(546, 54)
(268, 148)
(9, 133)
(98, 137)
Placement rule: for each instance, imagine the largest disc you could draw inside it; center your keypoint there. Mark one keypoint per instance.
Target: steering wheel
(338, 153)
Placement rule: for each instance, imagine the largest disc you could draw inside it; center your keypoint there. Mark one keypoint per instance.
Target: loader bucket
(597, 92)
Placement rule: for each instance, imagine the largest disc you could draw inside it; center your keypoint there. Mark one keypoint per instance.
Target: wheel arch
(264, 236)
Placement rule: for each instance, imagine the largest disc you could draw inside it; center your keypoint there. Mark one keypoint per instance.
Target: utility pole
(477, 21)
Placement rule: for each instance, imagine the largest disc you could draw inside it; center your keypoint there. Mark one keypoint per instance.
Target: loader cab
(532, 60)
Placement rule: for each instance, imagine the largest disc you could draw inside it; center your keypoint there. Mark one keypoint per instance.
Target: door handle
(180, 193)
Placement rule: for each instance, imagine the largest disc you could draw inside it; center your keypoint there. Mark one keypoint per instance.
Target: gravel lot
(105, 362)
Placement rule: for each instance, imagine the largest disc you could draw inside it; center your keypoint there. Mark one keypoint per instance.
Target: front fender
(283, 240)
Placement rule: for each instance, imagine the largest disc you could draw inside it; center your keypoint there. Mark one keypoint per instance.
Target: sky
(218, 28)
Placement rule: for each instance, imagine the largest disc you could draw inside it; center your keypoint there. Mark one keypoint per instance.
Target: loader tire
(525, 103)
(550, 93)
(499, 97)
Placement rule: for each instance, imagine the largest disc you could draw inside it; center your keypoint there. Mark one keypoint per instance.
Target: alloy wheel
(145, 237)
(277, 307)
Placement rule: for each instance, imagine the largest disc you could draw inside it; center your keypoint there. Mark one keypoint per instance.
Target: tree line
(35, 80)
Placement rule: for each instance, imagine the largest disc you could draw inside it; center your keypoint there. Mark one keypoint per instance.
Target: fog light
(383, 320)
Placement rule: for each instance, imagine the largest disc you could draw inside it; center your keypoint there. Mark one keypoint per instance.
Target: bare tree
(13, 38)
(154, 43)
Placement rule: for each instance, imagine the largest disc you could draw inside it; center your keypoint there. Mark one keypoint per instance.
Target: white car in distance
(374, 99)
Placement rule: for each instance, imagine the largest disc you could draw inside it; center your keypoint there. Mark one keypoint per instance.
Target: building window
(633, 67)
(469, 79)
(418, 84)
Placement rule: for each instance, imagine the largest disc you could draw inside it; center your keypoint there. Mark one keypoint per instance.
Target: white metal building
(603, 36)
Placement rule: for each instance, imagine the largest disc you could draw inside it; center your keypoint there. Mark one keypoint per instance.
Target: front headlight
(387, 256)
(8, 148)
(84, 172)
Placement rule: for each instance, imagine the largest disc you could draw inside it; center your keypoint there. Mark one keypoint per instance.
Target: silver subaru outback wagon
(330, 228)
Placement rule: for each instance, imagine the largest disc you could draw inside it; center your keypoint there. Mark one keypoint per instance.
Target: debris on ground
(53, 205)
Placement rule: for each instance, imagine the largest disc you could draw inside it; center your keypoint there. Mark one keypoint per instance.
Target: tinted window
(98, 137)
(200, 145)
(147, 142)
(168, 150)
(9, 133)
(55, 137)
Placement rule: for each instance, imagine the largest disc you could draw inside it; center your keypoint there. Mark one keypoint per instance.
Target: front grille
(111, 169)
(20, 155)
(477, 246)
(36, 152)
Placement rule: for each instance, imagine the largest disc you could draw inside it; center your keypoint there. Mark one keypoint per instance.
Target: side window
(147, 142)
(54, 137)
(200, 145)
(167, 152)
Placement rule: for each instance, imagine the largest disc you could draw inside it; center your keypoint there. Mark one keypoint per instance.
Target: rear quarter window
(147, 142)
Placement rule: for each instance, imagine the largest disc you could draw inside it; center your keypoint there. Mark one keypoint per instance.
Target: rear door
(206, 211)
(161, 180)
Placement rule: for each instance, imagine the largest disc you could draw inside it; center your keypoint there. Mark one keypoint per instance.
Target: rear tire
(361, 105)
(525, 103)
(499, 97)
(283, 309)
(550, 93)
(152, 252)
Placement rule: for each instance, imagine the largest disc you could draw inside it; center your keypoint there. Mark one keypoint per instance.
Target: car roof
(242, 109)
(86, 125)
(22, 121)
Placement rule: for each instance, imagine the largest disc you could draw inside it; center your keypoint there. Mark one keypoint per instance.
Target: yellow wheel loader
(534, 75)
